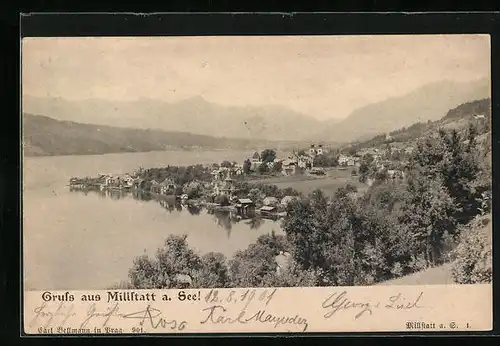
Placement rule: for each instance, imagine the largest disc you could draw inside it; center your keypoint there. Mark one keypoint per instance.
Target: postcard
(256, 184)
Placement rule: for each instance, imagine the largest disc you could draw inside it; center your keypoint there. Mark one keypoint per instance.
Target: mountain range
(430, 102)
(264, 123)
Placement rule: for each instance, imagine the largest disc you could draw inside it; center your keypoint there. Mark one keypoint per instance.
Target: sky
(326, 77)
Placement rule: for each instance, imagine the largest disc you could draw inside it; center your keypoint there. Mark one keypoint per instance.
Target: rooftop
(267, 208)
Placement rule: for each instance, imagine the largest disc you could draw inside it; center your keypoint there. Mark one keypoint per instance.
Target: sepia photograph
(229, 162)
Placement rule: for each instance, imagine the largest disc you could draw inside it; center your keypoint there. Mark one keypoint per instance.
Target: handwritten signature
(92, 314)
(63, 312)
(154, 318)
(217, 314)
(339, 301)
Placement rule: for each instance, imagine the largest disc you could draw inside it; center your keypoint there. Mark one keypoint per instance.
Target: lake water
(73, 240)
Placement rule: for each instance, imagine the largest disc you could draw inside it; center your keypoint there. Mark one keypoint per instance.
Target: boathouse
(268, 210)
(244, 205)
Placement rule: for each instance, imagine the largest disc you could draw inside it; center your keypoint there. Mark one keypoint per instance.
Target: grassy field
(433, 276)
(305, 184)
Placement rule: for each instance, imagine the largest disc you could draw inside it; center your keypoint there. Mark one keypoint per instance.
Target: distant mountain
(430, 102)
(194, 115)
(44, 136)
(272, 123)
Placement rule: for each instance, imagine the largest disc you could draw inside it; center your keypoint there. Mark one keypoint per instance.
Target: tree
(223, 200)
(351, 151)
(193, 189)
(427, 214)
(263, 168)
(460, 170)
(302, 152)
(256, 156)
(275, 242)
(364, 171)
(277, 167)
(252, 266)
(247, 166)
(256, 196)
(268, 155)
(174, 259)
(320, 161)
(454, 159)
(213, 272)
(226, 164)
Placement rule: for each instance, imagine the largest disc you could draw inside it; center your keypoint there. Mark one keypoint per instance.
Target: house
(343, 160)
(304, 162)
(479, 116)
(287, 200)
(267, 210)
(119, 181)
(238, 170)
(395, 173)
(312, 151)
(315, 151)
(216, 174)
(317, 171)
(155, 186)
(243, 205)
(289, 167)
(409, 150)
(167, 187)
(125, 180)
(138, 183)
(256, 164)
(244, 202)
(270, 201)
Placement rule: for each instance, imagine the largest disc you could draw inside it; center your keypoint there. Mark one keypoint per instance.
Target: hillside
(458, 118)
(428, 103)
(194, 115)
(44, 136)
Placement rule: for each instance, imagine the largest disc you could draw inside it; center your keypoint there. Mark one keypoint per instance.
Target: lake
(73, 240)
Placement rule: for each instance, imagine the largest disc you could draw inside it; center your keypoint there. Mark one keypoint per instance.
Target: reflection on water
(223, 219)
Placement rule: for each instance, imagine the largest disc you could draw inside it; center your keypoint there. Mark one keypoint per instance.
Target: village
(240, 188)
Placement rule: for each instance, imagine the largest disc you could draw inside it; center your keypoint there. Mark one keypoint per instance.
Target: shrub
(473, 258)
